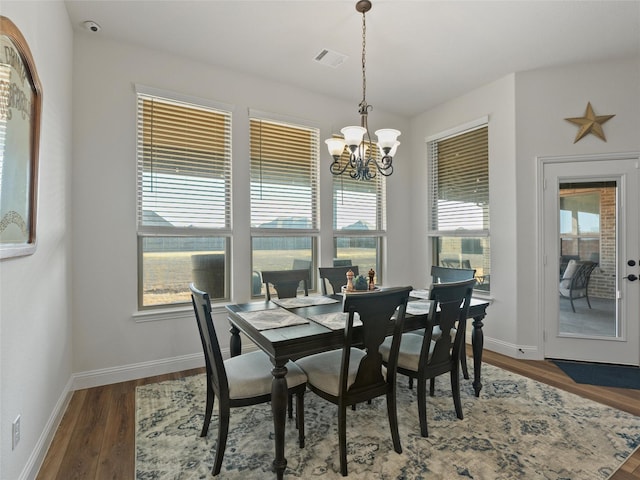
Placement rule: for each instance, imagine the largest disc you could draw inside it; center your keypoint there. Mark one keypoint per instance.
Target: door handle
(631, 277)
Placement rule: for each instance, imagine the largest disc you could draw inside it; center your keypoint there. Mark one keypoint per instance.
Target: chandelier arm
(385, 169)
(336, 168)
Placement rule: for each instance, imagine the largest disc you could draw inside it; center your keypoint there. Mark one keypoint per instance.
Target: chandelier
(362, 165)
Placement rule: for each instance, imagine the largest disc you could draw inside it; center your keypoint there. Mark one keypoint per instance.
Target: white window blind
(460, 183)
(357, 204)
(184, 166)
(284, 175)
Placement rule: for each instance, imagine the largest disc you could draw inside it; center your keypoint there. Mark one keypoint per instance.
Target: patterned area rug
(517, 429)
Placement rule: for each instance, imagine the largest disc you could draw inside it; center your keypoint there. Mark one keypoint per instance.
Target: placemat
(419, 294)
(336, 320)
(418, 307)
(304, 301)
(274, 318)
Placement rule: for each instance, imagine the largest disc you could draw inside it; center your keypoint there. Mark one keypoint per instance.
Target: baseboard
(523, 352)
(32, 467)
(125, 373)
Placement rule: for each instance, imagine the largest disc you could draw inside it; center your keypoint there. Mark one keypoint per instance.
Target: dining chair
(424, 356)
(446, 275)
(341, 262)
(286, 282)
(353, 375)
(456, 263)
(239, 381)
(336, 277)
(574, 283)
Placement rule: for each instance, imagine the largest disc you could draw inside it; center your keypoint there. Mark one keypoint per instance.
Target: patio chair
(575, 281)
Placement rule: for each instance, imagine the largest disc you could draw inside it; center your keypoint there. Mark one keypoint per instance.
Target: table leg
(279, 391)
(477, 343)
(235, 342)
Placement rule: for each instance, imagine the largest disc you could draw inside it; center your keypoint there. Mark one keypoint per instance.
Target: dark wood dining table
(292, 342)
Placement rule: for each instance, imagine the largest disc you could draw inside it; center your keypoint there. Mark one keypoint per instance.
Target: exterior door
(591, 258)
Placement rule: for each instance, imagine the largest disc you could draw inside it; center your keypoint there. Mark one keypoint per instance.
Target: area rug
(600, 374)
(517, 429)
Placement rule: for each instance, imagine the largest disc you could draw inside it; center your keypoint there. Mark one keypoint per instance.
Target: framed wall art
(20, 110)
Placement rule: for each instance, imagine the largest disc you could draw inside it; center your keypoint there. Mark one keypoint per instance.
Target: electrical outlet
(15, 433)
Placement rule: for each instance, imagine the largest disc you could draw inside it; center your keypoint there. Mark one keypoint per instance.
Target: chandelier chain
(364, 61)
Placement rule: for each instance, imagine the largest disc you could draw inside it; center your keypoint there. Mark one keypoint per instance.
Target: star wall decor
(590, 123)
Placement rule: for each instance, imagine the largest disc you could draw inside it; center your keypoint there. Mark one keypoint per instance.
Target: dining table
(288, 329)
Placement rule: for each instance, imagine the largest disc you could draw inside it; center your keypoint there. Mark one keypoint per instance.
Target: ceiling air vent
(330, 58)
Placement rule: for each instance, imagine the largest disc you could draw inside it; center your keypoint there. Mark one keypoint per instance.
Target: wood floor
(95, 439)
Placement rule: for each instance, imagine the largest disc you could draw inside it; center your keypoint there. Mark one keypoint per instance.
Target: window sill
(174, 313)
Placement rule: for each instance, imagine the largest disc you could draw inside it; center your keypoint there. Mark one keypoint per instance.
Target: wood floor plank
(64, 433)
(95, 440)
(117, 455)
(81, 458)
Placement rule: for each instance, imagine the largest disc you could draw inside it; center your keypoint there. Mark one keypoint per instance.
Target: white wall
(544, 99)
(105, 336)
(35, 294)
(497, 101)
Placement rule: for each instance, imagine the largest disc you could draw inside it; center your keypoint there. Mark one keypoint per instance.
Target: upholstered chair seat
(249, 375)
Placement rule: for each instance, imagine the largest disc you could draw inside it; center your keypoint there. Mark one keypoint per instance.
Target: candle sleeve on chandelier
(353, 135)
(335, 146)
(387, 139)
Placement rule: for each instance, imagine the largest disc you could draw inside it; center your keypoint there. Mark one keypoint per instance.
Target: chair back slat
(447, 274)
(216, 373)
(582, 275)
(286, 282)
(336, 276)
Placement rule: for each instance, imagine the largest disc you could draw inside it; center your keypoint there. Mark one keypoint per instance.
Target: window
(284, 192)
(580, 218)
(359, 221)
(183, 200)
(459, 200)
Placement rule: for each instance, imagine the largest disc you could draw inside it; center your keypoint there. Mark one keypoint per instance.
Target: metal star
(590, 123)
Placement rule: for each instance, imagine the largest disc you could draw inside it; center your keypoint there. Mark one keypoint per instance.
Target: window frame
(144, 231)
(313, 231)
(435, 234)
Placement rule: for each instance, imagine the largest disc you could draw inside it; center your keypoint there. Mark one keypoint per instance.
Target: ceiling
(420, 53)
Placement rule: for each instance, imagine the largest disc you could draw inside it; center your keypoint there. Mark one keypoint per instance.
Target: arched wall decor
(20, 111)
